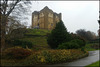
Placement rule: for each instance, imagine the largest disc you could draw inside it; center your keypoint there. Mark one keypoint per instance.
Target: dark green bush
(8, 41)
(79, 42)
(75, 36)
(22, 43)
(16, 53)
(73, 44)
(83, 49)
(69, 45)
(58, 35)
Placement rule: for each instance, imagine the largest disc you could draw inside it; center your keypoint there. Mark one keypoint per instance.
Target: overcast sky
(75, 14)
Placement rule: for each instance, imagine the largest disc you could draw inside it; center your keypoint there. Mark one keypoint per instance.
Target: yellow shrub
(56, 56)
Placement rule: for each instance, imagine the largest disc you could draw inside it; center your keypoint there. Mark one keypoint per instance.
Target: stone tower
(45, 19)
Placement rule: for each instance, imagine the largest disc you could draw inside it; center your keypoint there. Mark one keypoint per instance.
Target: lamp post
(99, 29)
(99, 23)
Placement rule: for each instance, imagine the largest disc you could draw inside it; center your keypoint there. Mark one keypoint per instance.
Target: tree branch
(13, 7)
(5, 6)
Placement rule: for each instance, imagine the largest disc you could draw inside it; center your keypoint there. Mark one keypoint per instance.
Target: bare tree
(7, 9)
(13, 24)
(88, 35)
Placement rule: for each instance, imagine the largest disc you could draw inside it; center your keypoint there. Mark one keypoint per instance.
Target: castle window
(51, 24)
(38, 24)
(50, 15)
(56, 17)
(41, 15)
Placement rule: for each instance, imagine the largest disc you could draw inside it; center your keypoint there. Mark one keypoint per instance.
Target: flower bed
(55, 56)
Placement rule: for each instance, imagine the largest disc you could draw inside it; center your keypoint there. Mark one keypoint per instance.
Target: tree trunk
(3, 32)
(3, 38)
(0, 31)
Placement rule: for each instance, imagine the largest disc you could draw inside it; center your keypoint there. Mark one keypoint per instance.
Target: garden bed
(46, 57)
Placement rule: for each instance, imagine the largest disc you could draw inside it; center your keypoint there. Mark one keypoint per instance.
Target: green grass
(39, 42)
(96, 64)
(38, 38)
(89, 48)
(37, 32)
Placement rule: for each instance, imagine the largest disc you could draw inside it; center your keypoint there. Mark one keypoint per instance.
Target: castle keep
(45, 19)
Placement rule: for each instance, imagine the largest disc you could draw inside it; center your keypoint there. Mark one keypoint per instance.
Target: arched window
(51, 24)
(38, 24)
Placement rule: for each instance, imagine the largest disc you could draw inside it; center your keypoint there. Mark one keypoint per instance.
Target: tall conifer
(58, 35)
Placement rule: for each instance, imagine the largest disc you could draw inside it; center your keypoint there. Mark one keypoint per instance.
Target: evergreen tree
(58, 36)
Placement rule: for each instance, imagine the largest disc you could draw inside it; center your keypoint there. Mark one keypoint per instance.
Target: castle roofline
(35, 12)
(56, 13)
(46, 8)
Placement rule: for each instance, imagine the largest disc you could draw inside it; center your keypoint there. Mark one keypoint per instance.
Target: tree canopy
(87, 35)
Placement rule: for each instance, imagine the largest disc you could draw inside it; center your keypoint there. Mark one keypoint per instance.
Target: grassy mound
(38, 37)
(39, 42)
(32, 32)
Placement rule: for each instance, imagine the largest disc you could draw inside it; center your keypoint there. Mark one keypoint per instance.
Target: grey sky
(75, 14)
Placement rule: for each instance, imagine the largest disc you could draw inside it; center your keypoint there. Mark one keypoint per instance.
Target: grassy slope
(38, 42)
(38, 38)
(37, 32)
(96, 64)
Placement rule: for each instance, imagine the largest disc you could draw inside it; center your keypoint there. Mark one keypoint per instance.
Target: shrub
(83, 49)
(95, 46)
(23, 43)
(73, 44)
(75, 36)
(47, 56)
(54, 56)
(79, 42)
(68, 45)
(16, 53)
